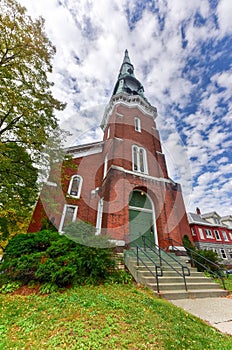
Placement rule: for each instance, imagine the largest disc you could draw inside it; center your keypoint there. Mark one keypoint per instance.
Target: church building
(120, 185)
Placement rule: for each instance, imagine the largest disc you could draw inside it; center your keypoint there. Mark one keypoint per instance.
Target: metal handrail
(191, 251)
(183, 268)
(156, 275)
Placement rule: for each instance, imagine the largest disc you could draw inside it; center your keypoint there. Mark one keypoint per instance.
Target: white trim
(118, 242)
(99, 217)
(140, 209)
(146, 176)
(108, 133)
(51, 183)
(64, 213)
(129, 101)
(79, 187)
(105, 165)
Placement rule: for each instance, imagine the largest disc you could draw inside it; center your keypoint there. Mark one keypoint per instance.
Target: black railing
(193, 255)
(158, 269)
(159, 251)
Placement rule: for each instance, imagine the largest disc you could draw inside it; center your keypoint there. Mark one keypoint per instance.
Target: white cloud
(173, 66)
(224, 11)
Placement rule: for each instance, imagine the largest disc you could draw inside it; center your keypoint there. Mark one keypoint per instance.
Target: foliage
(84, 233)
(10, 287)
(49, 258)
(202, 259)
(102, 317)
(27, 120)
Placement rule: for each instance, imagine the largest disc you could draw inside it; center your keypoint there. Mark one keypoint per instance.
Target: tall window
(223, 253)
(217, 234)
(75, 184)
(139, 159)
(69, 215)
(225, 236)
(137, 124)
(201, 233)
(208, 233)
(99, 216)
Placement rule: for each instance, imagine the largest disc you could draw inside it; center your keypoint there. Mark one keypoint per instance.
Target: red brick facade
(128, 159)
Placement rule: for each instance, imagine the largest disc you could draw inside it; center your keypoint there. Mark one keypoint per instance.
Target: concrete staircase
(171, 284)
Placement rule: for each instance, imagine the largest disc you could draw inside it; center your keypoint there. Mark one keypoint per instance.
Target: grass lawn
(102, 317)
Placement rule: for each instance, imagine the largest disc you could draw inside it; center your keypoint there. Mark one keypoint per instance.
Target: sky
(182, 55)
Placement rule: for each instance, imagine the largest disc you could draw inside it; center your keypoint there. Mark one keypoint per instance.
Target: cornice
(130, 101)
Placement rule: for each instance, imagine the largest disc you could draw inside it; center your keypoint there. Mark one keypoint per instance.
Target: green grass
(227, 281)
(102, 317)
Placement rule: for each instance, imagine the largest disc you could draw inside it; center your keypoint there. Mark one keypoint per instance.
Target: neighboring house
(120, 184)
(211, 231)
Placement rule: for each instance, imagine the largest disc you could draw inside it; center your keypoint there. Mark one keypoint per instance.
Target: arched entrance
(141, 218)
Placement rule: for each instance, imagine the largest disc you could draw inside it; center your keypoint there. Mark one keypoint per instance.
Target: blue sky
(182, 54)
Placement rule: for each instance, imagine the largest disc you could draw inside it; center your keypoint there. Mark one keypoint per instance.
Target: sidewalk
(215, 311)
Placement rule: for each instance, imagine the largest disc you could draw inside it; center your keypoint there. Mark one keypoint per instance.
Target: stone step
(180, 294)
(179, 279)
(179, 286)
(171, 283)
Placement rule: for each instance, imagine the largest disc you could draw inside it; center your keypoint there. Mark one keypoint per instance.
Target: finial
(126, 57)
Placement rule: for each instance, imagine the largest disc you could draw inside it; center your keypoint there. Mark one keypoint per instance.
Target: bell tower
(139, 197)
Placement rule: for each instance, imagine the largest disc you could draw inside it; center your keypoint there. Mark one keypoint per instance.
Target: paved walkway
(215, 311)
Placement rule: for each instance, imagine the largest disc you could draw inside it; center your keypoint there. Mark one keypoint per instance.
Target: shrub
(54, 260)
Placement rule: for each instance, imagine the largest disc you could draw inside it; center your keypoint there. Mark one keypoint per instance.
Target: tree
(27, 105)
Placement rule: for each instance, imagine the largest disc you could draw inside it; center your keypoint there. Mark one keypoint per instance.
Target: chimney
(198, 211)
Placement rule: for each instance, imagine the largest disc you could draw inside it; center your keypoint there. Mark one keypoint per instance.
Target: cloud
(181, 52)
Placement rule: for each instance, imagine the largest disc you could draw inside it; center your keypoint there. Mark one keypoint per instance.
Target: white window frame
(224, 235)
(201, 233)
(136, 163)
(79, 187)
(217, 235)
(229, 251)
(193, 231)
(230, 234)
(66, 206)
(99, 216)
(208, 233)
(223, 252)
(105, 165)
(137, 122)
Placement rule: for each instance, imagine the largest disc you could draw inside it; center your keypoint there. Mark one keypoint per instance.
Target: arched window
(137, 124)
(105, 166)
(75, 184)
(139, 159)
(99, 216)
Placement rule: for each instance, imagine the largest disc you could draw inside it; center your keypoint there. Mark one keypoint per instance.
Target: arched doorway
(141, 218)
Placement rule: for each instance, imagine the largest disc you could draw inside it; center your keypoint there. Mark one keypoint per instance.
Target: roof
(210, 214)
(195, 218)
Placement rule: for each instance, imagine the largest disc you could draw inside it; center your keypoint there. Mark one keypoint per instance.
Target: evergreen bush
(52, 259)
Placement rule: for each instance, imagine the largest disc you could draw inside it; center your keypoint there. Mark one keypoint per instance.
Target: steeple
(127, 83)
